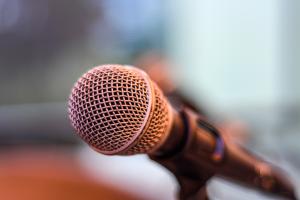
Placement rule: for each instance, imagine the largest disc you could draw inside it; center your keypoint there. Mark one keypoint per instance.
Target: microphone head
(117, 109)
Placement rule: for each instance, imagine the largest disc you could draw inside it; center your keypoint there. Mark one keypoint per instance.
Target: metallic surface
(193, 163)
(118, 110)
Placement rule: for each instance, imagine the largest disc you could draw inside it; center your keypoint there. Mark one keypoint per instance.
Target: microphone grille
(118, 110)
(159, 125)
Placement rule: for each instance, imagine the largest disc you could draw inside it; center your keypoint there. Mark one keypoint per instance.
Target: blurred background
(236, 60)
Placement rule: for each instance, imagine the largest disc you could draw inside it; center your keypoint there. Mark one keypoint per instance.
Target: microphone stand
(195, 151)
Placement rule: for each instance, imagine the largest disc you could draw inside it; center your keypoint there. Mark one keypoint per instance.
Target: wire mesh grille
(158, 125)
(109, 107)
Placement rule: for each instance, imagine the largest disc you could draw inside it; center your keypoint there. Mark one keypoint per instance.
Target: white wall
(226, 50)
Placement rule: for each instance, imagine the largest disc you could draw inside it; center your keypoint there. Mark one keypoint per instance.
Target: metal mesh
(158, 126)
(110, 107)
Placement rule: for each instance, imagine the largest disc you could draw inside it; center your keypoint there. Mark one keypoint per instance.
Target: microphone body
(195, 151)
(118, 110)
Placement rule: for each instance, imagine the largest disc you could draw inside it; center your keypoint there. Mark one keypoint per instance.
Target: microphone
(118, 110)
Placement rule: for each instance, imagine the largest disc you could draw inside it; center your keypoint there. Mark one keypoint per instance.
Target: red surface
(42, 175)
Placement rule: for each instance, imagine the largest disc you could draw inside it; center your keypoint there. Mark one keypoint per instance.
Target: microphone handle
(195, 151)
